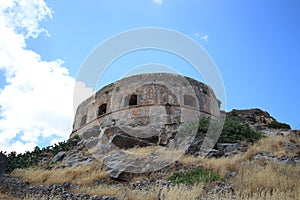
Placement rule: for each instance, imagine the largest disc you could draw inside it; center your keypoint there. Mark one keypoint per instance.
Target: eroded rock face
(3, 163)
(59, 156)
(225, 148)
(251, 116)
(93, 132)
(256, 118)
(126, 141)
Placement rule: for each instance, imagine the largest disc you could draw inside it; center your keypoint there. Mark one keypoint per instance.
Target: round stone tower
(146, 106)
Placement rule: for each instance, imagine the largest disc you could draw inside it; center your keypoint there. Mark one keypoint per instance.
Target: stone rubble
(218, 188)
(21, 189)
(143, 184)
(295, 160)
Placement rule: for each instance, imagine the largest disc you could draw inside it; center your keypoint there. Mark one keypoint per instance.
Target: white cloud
(201, 36)
(37, 101)
(158, 2)
(204, 37)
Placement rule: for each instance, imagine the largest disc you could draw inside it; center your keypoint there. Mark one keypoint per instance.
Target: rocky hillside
(257, 119)
(239, 166)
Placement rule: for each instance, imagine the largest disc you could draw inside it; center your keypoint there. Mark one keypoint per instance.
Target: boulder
(208, 153)
(91, 133)
(59, 156)
(225, 148)
(125, 141)
(120, 175)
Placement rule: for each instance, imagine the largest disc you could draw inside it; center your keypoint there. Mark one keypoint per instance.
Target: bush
(194, 176)
(28, 159)
(235, 131)
(232, 132)
(278, 125)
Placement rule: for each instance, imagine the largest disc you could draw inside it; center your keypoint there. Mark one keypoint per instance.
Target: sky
(43, 44)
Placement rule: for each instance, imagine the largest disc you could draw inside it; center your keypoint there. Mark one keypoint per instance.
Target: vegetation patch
(278, 125)
(81, 175)
(30, 159)
(195, 176)
(235, 131)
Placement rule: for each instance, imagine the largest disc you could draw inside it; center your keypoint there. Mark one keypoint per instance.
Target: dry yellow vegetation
(6, 197)
(77, 175)
(255, 180)
(272, 179)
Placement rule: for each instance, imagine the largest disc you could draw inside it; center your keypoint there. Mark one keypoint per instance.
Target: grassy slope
(256, 179)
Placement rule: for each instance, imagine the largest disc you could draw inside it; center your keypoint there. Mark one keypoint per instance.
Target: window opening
(190, 101)
(133, 100)
(102, 109)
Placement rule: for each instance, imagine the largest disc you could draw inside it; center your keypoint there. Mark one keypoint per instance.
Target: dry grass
(182, 192)
(77, 175)
(190, 159)
(275, 145)
(102, 190)
(142, 150)
(255, 180)
(152, 193)
(119, 191)
(7, 197)
(163, 153)
(283, 180)
(222, 165)
(244, 195)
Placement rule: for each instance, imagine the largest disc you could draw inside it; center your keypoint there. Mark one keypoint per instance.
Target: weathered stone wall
(156, 100)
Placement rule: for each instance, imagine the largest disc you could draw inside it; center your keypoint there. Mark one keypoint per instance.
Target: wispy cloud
(158, 2)
(201, 36)
(37, 101)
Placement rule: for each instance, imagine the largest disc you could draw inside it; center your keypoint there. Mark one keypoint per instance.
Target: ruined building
(150, 107)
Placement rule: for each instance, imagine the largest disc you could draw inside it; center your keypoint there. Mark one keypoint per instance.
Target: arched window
(133, 100)
(83, 120)
(102, 109)
(190, 101)
(168, 108)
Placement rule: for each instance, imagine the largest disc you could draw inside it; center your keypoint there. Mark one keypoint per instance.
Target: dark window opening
(83, 120)
(133, 100)
(168, 108)
(102, 109)
(190, 101)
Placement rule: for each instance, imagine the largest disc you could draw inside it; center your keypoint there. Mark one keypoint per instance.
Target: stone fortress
(145, 108)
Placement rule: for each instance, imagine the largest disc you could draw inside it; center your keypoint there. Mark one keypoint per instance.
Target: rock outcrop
(257, 119)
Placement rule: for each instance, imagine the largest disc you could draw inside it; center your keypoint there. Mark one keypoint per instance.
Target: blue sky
(255, 45)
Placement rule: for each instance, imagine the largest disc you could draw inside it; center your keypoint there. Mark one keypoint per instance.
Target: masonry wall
(153, 100)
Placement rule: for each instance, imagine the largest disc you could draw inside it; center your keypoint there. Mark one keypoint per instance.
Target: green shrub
(278, 125)
(235, 131)
(194, 176)
(28, 159)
